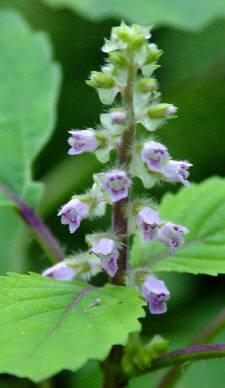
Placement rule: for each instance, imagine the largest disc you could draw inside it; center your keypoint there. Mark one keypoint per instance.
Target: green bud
(123, 33)
(117, 59)
(143, 359)
(134, 35)
(128, 366)
(137, 42)
(101, 80)
(158, 344)
(161, 111)
(154, 53)
(146, 85)
(132, 348)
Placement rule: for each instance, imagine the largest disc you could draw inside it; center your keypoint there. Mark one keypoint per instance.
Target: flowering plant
(141, 241)
(127, 81)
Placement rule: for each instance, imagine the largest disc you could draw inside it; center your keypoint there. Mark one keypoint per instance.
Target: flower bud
(73, 212)
(82, 141)
(153, 53)
(172, 235)
(107, 251)
(146, 85)
(149, 221)
(156, 294)
(60, 271)
(118, 59)
(177, 171)
(137, 41)
(158, 344)
(154, 154)
(101, 80)
(161, 111)
(124, 37)
(118, 116)
(117, 184)
(128, 366)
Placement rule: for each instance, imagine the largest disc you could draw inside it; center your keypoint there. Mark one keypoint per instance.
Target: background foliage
(192, 76)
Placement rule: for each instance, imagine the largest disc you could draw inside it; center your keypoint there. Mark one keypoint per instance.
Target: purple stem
(173, 375)
(119, 217)
(45, 237)
(192, 353)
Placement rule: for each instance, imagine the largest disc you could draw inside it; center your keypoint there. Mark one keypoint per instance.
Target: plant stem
(192, 353)
(119, 217)
(113, 375)
(46, 384)
(111, 367)
(216, 325)
(48, 242)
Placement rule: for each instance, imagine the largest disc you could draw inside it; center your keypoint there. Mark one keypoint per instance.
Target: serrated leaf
(190, 14)
(29, 86)
(201, 208)
(49, 325)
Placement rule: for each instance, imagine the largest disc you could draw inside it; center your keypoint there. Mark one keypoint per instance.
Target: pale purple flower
(172, 235)
(149, 220)
(117, 184)
(118, 117)
(107, 251)
(175, 171)
(154, 155)
(60, 271)
(171, 110)
(82, 141)
(156, 294)
(73, 212)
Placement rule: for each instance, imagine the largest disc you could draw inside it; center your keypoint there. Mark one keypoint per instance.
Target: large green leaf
(29, 86)
(201, 208)
(183, 14)
(49, 325)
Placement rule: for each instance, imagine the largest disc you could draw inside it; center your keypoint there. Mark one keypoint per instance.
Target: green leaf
(201, 208)
(49, 325)
(185, 14)
(29, 88)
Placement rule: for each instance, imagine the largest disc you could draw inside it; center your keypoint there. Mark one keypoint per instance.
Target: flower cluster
(153, 228)
(127, 82)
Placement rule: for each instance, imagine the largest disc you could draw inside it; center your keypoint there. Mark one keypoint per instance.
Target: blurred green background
(192, 76)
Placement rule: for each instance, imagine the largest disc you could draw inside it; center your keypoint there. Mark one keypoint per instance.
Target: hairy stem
(215, 326)
(48, 242)
(113, 375)
(119, 218)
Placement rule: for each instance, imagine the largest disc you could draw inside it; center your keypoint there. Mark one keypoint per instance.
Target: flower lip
(177, 171)
(104, 247)
(172, 235)
(154, 155)
(117, 184)
(82, 141)
(156, 294)
(73, 212)
(60, 271)
(148, 220)
(107, 251)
